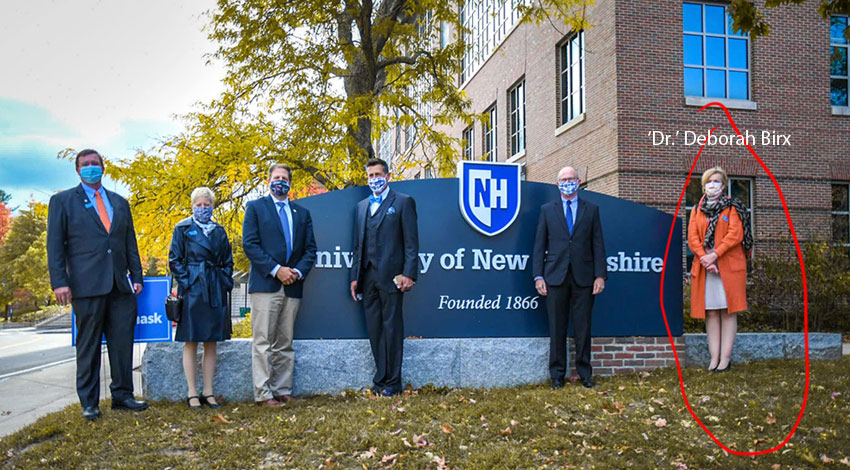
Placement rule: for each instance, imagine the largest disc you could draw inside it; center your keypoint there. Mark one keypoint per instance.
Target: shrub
(775, 289)
(243, 328)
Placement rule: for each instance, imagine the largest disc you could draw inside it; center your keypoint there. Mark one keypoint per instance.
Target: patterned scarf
(712, 210)
(206, 228)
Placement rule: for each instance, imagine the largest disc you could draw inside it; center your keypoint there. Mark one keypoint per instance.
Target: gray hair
(203, 191)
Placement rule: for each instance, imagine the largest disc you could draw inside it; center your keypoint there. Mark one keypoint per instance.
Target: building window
(841, 213)
(429, 172)
(468, 142)
(516, 100)
(487, 23)
(838, 71)
(739, 187)
(490, 149)
(716, 59)
(572, 78)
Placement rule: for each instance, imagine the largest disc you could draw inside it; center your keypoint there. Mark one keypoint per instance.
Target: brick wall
(625, 355)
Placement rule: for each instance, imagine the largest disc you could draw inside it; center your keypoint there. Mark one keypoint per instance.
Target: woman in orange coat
(719, 235)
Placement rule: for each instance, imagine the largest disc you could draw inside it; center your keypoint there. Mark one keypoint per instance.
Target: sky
(104, 74)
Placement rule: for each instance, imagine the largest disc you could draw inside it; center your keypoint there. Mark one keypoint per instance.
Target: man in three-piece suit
(277, 236)
(569, 270)
(386, 250)
(91, 248)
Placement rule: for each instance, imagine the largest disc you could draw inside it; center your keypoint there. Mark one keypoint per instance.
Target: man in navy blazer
(569, 270)
(91, 249)
(386, 251)
(277, 236)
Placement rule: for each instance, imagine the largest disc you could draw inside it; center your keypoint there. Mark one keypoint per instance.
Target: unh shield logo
(489, 195)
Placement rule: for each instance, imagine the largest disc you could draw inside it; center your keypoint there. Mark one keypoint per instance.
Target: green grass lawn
(631, 421)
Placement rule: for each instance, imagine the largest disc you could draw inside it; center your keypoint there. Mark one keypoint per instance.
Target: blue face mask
(377, 184)
(91, 174)
(568, 188)
(279, 188)
(202, 214)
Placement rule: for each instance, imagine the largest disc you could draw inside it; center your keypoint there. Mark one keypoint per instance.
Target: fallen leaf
(825, 459)
(845, 461)
(775, 466)
(770, 419)
(447, 429)
(396, 432)
(420, 441)
(660, 423)
(221, 419)
(506, 431)
(405, 442)
(514, 422)
(369, 453)
(389, 458)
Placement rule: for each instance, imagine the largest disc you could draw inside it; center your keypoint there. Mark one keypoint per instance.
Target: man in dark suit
(569, 270)
(277, 236)
(386, 250)
(91, 247)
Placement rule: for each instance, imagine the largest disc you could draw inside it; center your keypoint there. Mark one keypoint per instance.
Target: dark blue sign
(151, 324)
(475, 285)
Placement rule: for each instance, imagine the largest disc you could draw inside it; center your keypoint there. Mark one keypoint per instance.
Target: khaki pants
(273, 359)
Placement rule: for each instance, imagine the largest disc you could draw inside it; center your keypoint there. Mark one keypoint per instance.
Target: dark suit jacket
(555, 250)
(264, 244)
(81, 254)
(398, 239)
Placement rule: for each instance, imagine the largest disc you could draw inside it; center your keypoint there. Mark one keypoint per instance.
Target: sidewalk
(30, 396)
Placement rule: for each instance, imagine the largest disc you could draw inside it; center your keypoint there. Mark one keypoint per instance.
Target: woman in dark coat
(201, 261)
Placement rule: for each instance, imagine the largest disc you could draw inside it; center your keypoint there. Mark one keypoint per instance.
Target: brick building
(592, 100)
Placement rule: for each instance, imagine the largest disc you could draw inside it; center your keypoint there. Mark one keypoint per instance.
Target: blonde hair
(711, 172)
(203, 191)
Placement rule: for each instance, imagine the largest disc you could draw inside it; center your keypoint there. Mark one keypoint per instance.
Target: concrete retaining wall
(330, 366)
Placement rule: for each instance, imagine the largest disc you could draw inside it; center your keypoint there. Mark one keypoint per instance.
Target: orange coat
(731, 261)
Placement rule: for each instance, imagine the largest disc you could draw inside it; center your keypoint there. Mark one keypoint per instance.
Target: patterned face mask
(377, 184)
(279, 188)
(202, 214)
(568, 188)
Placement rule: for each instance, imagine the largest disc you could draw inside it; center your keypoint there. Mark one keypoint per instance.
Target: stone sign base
(331, 366)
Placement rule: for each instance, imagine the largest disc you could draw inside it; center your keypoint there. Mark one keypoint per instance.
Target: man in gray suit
(569, 270)
(91, 249)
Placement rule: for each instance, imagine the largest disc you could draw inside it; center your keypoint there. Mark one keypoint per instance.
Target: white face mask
(713, 189)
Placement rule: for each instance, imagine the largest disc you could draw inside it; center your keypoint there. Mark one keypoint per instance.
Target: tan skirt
(715, 296)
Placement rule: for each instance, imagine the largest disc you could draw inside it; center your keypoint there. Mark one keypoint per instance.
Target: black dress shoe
(376, 390)
(130, 404)
(205, 400)
(556, 384)
(91, 413)
(727, 369)
(588, 382)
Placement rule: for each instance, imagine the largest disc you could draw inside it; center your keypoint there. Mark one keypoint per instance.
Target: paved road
(25, 349)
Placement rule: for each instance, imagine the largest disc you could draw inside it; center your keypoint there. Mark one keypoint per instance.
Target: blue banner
(151, 324)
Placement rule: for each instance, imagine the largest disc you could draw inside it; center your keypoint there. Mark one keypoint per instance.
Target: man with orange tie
(91, 249)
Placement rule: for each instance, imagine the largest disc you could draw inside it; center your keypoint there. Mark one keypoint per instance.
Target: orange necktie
(101, 211)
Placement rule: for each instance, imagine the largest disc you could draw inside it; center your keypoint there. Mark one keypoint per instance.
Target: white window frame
(490, 150)
(839, 109)
(834, 212)
(737, 103)
(516, 113)
(568, 96)
(469, 143)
